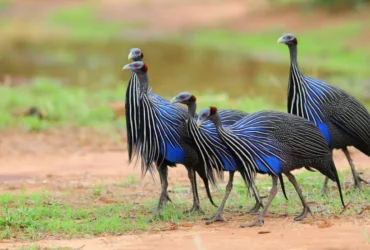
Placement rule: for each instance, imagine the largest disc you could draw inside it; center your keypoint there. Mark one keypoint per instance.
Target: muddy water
(172, 68)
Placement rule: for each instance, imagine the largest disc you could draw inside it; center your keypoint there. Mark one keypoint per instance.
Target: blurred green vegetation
(329, 47)
(82, 23)
(71, 62)
(67, 105)
(64, 105)
(328, 4)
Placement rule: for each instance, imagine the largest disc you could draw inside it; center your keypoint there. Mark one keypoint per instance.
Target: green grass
(329, 47)
(31, 216)
(66, 105)
(82, 23)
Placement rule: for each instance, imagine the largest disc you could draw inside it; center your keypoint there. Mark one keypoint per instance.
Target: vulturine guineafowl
(210, 147)
(271, 142)
(342, 119)
(153, 126)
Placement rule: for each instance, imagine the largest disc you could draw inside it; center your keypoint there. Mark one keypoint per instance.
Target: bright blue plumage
(209, 129)
(265, 154)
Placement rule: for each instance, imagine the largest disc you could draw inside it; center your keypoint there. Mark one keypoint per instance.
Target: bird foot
(256, 207)
(304, 213)
(324, 191)
(217, 217)
(363, 180)
(168, 198)
(194, 209)
(259, 222)
(154, 217)
(163, 199)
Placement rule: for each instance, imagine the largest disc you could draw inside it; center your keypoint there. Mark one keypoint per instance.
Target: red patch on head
(193, 98)
(213, 110)
(145, 68)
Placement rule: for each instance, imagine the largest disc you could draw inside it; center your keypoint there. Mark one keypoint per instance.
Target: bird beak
(126, 67)
(130, 56)
(199, 123)
(281, 40)
(173, 101)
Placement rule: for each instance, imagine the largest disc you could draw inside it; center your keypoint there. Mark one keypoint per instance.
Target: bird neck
(293, 56)
(192, 107)
(144, 81)
(217, 121)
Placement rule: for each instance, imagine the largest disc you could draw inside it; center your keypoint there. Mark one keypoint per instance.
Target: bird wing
(352, 117)
(306, 140)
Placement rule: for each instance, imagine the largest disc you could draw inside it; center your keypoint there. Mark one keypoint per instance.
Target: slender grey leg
(256, 206)
(325, 186)
(306, 208)
(163, 197)
(356, 177)
(273, 191)
(259, 203)
(194, 189)
(218, 215)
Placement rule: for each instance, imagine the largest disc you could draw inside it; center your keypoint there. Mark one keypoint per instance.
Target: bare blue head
(206, 114)
(138, 67)
(288, 39)
(184, 98)
(135, 55)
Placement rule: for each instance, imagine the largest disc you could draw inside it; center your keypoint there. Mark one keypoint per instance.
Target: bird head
(206, 114)
(136, 67)
(135, 54)
(288, 39)
(183, 98)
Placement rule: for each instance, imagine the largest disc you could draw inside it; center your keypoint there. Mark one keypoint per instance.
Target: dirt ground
(66, 159)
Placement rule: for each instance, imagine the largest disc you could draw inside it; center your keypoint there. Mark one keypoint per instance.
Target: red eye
(136, 65)
(182, 97)
(288, 37)
(204, 115)
(137, 52)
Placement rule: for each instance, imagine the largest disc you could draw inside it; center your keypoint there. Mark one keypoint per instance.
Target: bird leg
(194, 189)
(356, 177)
(325, 187)
(259, 203)
(256, 206)
(218, 215)
(163, 197)
(273, 191)
(306, 208)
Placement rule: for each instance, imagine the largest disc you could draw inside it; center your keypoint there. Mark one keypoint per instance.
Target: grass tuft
(31, 216)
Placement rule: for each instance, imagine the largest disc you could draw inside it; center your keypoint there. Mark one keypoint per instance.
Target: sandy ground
(64, 165)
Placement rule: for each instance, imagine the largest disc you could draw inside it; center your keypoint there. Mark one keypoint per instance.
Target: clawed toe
(215, 218)
(324, 191)
(363, 180)
(304, 213)
(194, 209)
(258, 222)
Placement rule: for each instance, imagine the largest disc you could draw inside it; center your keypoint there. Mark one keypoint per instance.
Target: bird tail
(282, 185)
(206, 185)
(336, 179)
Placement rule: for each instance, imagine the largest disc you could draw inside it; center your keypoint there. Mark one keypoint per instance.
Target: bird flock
(320, 118)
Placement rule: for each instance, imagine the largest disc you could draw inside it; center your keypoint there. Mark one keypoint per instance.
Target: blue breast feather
(209, 129)
(318, 92)
(170, 117)
(252, 133)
